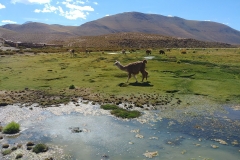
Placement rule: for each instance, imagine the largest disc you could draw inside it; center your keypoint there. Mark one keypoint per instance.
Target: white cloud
(74, 14)
(96, 3)
(48, 8)
(31, 1)
(8, 21)
(77, 7)
(2, 6)
(69, 9)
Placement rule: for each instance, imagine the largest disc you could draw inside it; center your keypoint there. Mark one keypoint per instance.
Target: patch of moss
(11, 128)
(109, 107)
(6, 152)
(40, 148)
(123, 113)
(72, 87)
(120, 112)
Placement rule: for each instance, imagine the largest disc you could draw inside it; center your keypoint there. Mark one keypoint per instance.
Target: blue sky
(77, 12)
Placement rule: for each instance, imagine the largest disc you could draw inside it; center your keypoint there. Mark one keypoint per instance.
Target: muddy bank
(47, 99)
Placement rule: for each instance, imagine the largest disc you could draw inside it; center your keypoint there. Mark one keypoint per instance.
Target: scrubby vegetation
(120, 112)
(72, 87)
(40, 148)
(6, 152)
(45, 78)
(109, 107)
(11, 128)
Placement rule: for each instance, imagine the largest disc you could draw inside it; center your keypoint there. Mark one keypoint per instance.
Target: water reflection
(105, 137)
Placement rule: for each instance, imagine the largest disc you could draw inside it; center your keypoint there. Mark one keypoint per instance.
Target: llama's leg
(146, 75)
(143, 75)
(135, 77)
(129, 76)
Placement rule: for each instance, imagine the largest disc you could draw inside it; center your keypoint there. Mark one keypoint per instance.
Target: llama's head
(116, 63)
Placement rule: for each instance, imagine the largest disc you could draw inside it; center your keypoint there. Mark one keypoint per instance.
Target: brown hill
(162, 25)
(124, 22)
(127, 40)
(36, 32)
(35, 27)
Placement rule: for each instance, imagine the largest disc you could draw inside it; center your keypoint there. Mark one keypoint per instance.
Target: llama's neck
(121, 67)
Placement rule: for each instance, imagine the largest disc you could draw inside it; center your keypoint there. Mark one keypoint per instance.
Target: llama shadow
(142, 84)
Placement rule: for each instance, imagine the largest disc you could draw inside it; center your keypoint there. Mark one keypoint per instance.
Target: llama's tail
(144, 61)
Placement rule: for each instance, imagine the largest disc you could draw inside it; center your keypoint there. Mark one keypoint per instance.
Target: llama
(148, 51)
(88, 51)
(133, 69)
(161, 51)
(72, 52)
(168, 49)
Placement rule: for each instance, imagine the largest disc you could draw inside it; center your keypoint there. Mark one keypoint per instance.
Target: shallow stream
(101, 136)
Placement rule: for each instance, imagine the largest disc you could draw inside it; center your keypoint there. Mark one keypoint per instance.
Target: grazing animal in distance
(148, 51)
(133, 69)
(72, 52)
(88, 51)
(161, 51)
(123, 51)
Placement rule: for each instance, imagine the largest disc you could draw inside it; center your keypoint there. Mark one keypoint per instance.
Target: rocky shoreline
(48, 99)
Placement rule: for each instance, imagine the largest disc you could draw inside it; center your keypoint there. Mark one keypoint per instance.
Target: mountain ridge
(129, 22)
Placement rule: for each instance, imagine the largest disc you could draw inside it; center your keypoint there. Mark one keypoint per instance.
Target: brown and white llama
(72, 52)
(133, 69)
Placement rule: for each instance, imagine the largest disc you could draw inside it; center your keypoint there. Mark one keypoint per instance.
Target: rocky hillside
(138, 40)
(129, 22)
(162, 25)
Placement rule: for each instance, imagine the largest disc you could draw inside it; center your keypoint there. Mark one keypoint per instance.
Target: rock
(75, 130)
(14, 148)
(139, 136)
(214, 146)
(30, 144)
(19, 145)
(20, 155)
(150, 154)
(221, 141)
(130, 143)
(105, 156)
(5, 145)
(29, 147)
(3, 104)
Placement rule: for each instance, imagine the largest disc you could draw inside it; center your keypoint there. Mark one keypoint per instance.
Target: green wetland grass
(213, 73)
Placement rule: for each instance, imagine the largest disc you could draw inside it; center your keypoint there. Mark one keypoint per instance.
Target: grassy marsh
(213, 73)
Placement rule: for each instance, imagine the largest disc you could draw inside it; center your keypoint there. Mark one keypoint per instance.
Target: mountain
(132, 22)
(35, 27)
(36, 32)
(162, 25)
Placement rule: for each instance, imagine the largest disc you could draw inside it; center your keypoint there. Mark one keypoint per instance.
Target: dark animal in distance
(161, 52)
(148, 51)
